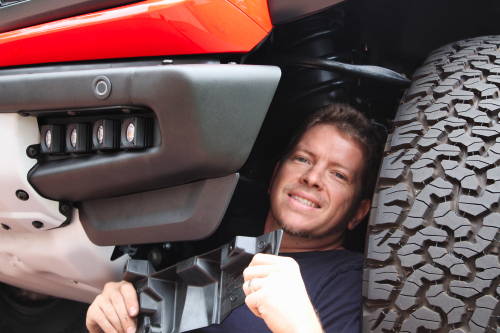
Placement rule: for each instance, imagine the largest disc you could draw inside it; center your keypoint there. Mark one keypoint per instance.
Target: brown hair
(353, 123)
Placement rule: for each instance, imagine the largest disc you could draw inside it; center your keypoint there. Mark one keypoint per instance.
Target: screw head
(37, 224)
(64, 208)
(261, 244)
(32, 152)
(22, 195)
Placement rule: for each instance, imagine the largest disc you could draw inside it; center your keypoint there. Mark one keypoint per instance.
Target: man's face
(315, 188)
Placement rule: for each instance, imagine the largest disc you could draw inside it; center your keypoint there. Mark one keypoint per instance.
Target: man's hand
(114, 310)
(276, 293)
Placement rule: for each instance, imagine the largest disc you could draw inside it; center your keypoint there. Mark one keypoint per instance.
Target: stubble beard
(310, 235)
(339, 228)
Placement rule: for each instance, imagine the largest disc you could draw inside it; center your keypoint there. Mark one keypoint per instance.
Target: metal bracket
(199, 291)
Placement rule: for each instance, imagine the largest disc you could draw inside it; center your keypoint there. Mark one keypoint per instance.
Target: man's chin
(295, 232)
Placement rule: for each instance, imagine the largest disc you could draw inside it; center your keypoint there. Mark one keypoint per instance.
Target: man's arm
(276, 293)
(114, 310)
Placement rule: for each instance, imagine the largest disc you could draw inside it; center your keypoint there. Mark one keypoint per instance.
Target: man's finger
(253, 285)
(130, 297)
(252, 272)
(112, 317)
(99, 323)
(127, 323)
(265, 259)
(253, 302)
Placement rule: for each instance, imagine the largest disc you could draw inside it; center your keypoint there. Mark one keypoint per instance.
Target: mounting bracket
(199, 291)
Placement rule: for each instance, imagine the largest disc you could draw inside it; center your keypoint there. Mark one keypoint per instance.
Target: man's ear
(363, 209)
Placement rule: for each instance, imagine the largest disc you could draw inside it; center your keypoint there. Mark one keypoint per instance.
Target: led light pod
(105, 134)
(51, 137)
(135, 133)
(77, 138)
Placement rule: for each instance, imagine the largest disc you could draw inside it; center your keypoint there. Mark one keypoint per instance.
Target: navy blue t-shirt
(333, 281)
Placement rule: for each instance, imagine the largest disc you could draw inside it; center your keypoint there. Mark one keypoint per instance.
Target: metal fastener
(22, 195)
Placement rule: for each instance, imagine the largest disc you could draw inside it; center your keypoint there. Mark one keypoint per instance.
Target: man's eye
(339, 175)
(301, 159)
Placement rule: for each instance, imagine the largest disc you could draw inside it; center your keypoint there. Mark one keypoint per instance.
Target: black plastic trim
(208, 117)
(284, 11)
(186, 212)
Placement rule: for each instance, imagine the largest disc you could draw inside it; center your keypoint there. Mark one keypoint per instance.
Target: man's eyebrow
(303, 150)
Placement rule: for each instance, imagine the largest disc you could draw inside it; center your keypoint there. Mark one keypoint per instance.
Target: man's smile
(309, 202)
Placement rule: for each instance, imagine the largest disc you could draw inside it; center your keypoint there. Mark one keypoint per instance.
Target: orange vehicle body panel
(258, 10)
(145, 29)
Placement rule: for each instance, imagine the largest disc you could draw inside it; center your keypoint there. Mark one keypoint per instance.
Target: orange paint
(144, 29)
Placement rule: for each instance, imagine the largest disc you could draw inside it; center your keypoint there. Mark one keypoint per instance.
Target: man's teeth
(304, 201)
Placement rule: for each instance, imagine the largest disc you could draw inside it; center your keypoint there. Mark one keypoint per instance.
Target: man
(321, 188)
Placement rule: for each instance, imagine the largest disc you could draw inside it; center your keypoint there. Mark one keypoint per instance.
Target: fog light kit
(101, 131)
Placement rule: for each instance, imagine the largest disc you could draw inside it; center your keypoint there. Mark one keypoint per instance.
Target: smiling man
(320, 189)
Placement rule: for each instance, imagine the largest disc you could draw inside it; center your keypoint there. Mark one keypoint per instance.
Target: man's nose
(313, 177)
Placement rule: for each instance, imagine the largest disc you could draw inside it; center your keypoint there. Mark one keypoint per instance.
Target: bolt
(5, 226)
(33, 151)
(65, 208)
(22, 195)
(261, 244)
(167, 246)
(232, 298)
(37, 224)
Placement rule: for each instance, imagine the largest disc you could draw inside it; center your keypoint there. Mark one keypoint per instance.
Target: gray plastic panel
(25, 13)
(185, 212)
(208, 117)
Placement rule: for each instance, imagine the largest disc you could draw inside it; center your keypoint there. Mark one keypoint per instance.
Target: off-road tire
(433, 238)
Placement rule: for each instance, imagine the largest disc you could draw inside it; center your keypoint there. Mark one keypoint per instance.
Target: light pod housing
(51, 137)
(77, 138)
(106, 134)
(135, 133)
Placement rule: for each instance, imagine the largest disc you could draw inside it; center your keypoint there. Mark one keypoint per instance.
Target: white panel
(16, 134)
(61, 262)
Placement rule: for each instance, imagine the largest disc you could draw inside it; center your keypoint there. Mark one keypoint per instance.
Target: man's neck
(291, 243)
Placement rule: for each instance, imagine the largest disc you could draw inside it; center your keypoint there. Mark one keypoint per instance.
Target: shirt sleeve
(339, 303)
